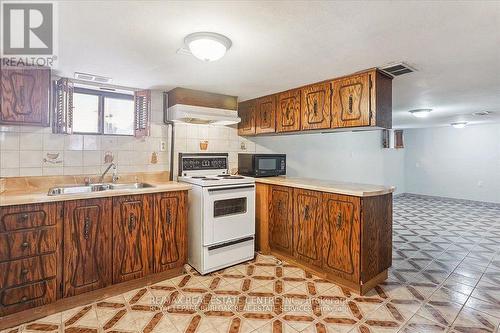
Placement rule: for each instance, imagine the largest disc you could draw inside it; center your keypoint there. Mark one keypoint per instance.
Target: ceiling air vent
(93, 78)
(397, 69)
(481, 113)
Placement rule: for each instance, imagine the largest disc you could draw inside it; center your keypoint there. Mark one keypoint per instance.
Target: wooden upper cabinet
(288, 117)
(307, 226)
(361, 100)
(169, 230)
(316, 106)
(341, 236)
(281, 218)
(265, 117)
(131, 237)
(351, 101)
(87, 245)
(25, 96)
(247, 112)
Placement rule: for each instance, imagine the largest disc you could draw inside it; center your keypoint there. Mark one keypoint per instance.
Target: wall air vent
(93, 78)
(397, 69)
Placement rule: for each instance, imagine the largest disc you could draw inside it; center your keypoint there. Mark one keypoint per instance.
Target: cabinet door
(351, 101)
(307, 226)
(288, 118)
(131, 237)
(169, 230)
(246, 111)
(266, 115)
(341, 234)
(25, 96)
(87, 245)
(316, 106)
(280, 218)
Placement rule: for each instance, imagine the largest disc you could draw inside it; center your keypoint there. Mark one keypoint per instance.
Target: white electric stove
(221, 220)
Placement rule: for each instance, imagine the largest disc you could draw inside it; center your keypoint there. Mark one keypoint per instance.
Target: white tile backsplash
(31, 141)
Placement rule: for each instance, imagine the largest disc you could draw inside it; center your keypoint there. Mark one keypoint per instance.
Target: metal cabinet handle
(24, 245)
(24, 217)
(350, 103)
(24, 271)
(24, 298)
(339, 220)
(315, 107)
(169, 217)
(306, 212)
(86, 228)
(131, 222)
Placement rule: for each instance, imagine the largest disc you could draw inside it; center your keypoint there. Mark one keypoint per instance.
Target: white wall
(347, 156)
(457, 163)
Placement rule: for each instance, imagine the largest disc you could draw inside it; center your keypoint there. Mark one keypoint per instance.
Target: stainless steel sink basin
(76, 189)
(129, 186)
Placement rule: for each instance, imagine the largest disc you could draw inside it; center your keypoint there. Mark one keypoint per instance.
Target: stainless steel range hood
(193, 114)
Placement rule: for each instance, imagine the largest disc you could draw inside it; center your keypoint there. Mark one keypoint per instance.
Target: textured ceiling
(279, 45)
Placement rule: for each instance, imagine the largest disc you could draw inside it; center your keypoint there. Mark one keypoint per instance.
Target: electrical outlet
(163, 146)
(243, 145)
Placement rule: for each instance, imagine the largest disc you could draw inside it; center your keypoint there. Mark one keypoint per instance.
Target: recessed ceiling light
(207, 46)
(481, 113)
(459, 124)
(420, 113)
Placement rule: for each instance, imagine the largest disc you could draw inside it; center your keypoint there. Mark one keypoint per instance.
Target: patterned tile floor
(445, 278)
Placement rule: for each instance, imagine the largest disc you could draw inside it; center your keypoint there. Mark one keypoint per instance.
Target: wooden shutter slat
(142, 110)
(63, 110)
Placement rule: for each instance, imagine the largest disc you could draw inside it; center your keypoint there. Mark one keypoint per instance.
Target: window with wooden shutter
(142, 101)
(63, 114)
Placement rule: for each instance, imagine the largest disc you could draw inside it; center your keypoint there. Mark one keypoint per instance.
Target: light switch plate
(163, 145)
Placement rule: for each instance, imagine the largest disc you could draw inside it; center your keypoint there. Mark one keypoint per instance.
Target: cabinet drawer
(29, 216)
(27, 296)
(19, 244)
(23, 271)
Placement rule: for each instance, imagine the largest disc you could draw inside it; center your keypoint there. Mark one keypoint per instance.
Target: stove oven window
(230, 207)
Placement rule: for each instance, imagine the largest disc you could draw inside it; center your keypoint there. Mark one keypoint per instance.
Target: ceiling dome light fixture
(207, 46)
(420, 113)
(459, 124)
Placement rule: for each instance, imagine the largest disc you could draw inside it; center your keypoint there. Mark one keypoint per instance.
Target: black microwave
(262, 165)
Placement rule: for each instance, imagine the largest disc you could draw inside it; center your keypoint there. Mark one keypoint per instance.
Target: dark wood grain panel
(201, 98)
(381, 103)
(341, 235)
(307, 226)
(27, 296)
(19, 244)
(316, 106)
(25, 96)
(169, 230)
(262, 218)
(280, 218)
(376, 235)
(87, 245)
(351, 101)
(288, 115)
(132, 245)
(16, 272)
(247, 112)
(265, 118)
(28, 216)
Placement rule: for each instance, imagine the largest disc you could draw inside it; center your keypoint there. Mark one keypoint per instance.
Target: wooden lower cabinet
(132, 217)
(307, 226)
(346, 239)
(169, 230)
(87, 245)
(30, 252)
(280, 218)
(341, 235)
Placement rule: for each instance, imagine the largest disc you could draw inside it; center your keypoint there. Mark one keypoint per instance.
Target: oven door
(228, 213)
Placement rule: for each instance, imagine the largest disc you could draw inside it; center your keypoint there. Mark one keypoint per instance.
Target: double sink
(76, 189)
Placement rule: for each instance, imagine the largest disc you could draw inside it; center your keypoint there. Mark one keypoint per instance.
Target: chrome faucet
(115, 174)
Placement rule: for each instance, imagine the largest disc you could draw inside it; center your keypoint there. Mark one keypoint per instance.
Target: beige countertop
(331, 186)
(20, 197)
